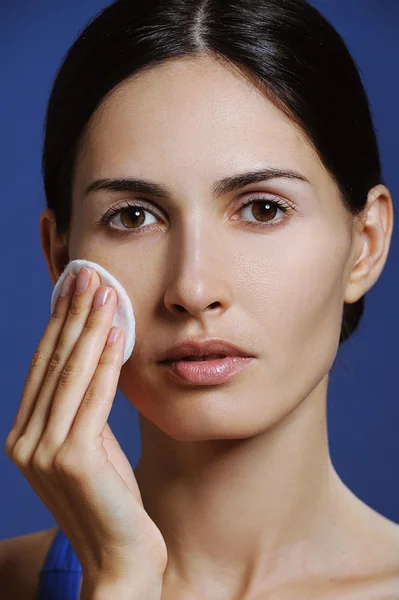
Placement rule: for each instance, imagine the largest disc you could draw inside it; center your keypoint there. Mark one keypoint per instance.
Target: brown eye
(128, 218)
(265, 210)
(132, 217)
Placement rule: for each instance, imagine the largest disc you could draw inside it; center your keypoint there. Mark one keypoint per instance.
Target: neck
(232, 511)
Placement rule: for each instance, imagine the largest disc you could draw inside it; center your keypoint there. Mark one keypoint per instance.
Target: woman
(220, 160)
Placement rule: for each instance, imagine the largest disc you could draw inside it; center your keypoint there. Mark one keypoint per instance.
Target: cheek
(295, 295)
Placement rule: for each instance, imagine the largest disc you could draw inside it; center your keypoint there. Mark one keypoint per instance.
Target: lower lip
(206, 372)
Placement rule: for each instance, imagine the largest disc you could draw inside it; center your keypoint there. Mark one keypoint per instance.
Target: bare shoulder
(21, 559)
(390, 550)
(382, 538)
(378, 550)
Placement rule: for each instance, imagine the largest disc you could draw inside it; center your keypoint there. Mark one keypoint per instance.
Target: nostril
(180, 308)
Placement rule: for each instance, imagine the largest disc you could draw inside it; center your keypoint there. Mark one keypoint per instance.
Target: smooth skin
(238, 478)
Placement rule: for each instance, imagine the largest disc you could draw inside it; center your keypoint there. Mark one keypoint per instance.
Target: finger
(93, 413)
(39, 365)
(78, 373)
(79, 309)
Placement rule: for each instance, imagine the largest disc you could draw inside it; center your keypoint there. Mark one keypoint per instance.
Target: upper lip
(202, 348)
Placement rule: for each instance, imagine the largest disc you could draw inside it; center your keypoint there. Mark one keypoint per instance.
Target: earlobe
(374, 232)
(54, 246)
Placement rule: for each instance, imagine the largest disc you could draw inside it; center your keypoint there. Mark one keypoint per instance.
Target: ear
(54, 246)
(373, 231)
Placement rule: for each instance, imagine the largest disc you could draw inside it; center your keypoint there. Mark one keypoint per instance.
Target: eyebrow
(223, 186)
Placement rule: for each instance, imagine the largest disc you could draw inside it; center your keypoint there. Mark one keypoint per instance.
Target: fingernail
(83, 280)
(113, 336)
(101, 296)
(66, 285)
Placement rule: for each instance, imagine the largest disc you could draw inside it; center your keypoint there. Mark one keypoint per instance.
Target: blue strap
(61, 572)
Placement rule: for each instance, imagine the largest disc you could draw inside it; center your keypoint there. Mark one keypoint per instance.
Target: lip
(191, 347)
(207, 372)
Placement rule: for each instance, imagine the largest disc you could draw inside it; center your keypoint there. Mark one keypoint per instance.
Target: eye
(264, 210)
(128, 217)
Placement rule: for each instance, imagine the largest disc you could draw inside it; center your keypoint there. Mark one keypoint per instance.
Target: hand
(61, 442)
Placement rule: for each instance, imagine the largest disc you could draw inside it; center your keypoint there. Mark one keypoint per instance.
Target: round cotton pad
(124, 314)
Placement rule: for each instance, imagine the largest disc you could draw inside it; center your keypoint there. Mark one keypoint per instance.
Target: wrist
(120, 589)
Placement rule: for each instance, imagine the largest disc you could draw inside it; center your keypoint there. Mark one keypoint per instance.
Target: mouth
(207, 370)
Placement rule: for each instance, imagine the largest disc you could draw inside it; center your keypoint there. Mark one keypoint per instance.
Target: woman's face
(200, 265)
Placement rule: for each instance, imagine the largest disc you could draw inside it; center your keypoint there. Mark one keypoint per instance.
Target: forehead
(192, 115)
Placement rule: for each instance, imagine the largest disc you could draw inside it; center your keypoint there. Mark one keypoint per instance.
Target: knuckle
(21, 453)
(9, 443)
(67, 463)
(91, 395)
(110, 360)
(92, 323)
(57, 313)
(68, 374)
(55, 362)
(38, 359)
(77, 308)
(41, 460)
(112, 363)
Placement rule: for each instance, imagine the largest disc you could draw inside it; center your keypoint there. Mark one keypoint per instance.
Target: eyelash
(119, 208)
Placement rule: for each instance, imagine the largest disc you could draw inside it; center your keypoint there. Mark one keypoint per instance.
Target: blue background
(363, 400)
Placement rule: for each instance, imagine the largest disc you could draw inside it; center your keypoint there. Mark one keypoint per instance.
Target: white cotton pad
(124, 314)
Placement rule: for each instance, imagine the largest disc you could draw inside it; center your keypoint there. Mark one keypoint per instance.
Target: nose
(200, 280)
